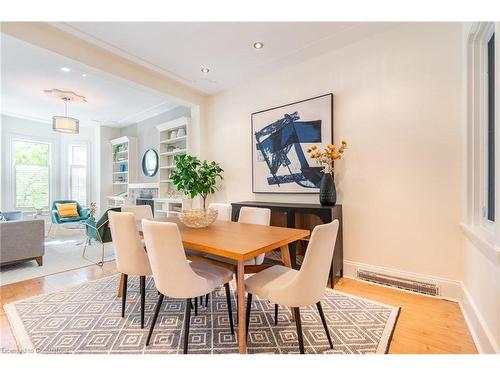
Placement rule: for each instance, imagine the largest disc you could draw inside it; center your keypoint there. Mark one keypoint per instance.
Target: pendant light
(65, 124)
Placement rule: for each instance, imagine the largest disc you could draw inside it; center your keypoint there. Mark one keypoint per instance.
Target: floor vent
(399, 282)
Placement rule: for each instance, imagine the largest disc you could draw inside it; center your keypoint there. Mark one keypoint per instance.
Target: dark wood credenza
(325, 215)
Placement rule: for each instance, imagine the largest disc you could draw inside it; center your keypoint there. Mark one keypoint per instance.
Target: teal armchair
(99, 231)
(56, 219)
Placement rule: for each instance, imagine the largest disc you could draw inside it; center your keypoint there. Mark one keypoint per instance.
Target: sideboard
(326, 214)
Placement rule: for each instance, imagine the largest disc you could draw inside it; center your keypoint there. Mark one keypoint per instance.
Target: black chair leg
(322, 316)
(124, 294)
(187, 320)
(299, 329)
(275, 314)
(206, 299)
(229, 306)
(155, 317)
(249, 308)
(143, 298)
(195, 306)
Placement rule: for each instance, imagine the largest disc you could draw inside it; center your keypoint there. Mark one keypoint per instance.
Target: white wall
(13, 127)
(399, 104)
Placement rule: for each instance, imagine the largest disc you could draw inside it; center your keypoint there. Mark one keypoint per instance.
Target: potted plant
(193, 177)
(325, 158)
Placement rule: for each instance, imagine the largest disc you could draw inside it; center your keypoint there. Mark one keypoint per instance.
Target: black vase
(327, 191)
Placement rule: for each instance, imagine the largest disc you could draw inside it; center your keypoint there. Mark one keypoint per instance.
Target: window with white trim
(78, 173)
(31, 174)
(490, 77)
(482, 222)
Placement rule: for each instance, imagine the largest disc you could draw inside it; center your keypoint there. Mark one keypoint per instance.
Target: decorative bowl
(198, 218)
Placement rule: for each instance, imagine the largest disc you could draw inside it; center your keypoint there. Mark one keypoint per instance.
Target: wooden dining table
(238, 242)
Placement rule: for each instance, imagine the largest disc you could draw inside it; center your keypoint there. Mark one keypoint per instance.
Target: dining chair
(223, 210)
(248, 215)
(285, 286)
(175, 277)
(131, 258)
(140, 211)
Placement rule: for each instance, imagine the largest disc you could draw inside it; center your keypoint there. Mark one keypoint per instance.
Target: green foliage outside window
(31, 163)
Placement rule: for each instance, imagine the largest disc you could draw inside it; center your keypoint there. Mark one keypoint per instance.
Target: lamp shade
(65, 124)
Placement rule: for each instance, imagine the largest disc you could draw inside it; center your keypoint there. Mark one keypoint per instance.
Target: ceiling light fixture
(65, 124)
(205, 70)
(258, 45)
(84, 75)
(65, 69)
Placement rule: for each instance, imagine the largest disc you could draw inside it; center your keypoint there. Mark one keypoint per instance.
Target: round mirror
(150, 163)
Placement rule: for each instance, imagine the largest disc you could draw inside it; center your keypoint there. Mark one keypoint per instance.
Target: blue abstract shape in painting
(276, 140)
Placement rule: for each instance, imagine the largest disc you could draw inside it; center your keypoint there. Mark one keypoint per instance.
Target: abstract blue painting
(280, 136)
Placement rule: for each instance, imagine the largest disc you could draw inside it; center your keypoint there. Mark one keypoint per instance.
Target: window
(78, 173)
(491, 128)
(31, 174)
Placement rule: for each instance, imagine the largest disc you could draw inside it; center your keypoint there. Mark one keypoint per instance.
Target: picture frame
(280, 137)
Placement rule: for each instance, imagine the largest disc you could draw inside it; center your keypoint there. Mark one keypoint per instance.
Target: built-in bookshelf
(124, 169)
(174, 140)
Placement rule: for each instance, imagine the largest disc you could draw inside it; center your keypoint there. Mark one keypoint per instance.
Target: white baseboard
(449, 289)
(485, 343)
(452, 290)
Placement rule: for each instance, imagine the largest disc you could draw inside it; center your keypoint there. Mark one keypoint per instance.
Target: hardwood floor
(426, 325)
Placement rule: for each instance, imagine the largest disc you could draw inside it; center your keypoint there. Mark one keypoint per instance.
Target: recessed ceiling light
(84, 75)
(205, 70)
(258, 45)
(65, 69)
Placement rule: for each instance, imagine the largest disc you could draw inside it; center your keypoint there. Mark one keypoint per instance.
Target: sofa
(22, 240)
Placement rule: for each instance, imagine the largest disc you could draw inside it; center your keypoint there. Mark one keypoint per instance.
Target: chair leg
(275, 314)
(187, 320)
(322, 316)
(48, 232)
(201, 301)
(249, 308)
(229, 306)
(299, 329)
(157, 311)
(124, 294)
(206, 299)
(195, 306)
(143, 298)
(101, 263)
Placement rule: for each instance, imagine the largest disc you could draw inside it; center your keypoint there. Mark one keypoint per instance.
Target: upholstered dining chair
(131, 258)
(175, 277)
(285, 286)
(140, 211)
(223, 210)
(248, 215)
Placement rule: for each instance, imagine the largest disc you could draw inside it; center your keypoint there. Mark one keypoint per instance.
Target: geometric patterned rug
(87, 319)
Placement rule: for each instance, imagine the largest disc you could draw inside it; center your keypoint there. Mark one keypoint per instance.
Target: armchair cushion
(83, 213)
(67, 210)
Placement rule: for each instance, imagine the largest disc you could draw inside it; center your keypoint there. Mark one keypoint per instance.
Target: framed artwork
(280, 137)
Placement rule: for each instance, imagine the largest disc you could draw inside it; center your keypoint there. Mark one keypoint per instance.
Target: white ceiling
(181, 49)
(27, 70)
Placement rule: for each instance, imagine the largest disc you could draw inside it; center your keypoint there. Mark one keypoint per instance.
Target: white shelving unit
(174, 140)
(124, 169)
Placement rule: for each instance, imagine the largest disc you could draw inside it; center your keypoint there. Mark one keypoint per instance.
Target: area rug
(87, 319)
(62, 253)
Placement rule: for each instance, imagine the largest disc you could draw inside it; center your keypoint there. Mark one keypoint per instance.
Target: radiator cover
(399, 282)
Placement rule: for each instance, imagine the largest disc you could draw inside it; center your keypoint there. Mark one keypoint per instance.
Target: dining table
(237, 242)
